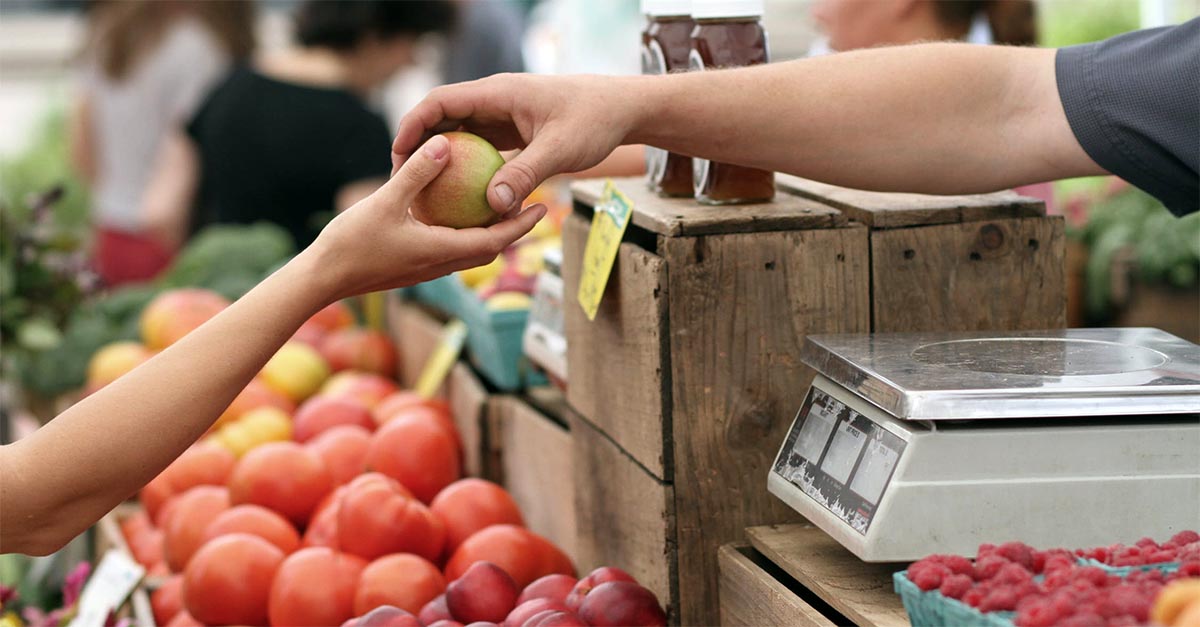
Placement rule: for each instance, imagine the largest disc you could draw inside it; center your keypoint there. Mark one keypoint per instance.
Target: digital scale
(919, 443)
(544, 341)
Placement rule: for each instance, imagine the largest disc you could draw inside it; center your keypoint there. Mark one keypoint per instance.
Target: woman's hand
(562, 123)
(377, 244)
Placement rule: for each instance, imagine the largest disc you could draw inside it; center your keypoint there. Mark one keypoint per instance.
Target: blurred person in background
(485, 41)
(290, 139)
(146, 66)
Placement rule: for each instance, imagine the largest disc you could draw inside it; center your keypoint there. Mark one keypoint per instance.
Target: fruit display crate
(932, 609)
(494, 337)
(690, 374)
(108, 537)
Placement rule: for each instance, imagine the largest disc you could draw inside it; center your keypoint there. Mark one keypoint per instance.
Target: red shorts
(124, 257)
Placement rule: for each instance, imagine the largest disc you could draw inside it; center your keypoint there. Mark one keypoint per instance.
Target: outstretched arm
(931, 118)
(61, 479)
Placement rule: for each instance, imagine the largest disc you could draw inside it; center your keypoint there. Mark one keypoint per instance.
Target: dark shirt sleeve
(367, 151)
(1133, 102)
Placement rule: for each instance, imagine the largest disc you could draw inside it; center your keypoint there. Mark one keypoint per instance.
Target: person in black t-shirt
(289, 139)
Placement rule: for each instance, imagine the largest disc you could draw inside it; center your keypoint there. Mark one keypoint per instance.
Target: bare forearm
(936, 118)
(127, 432)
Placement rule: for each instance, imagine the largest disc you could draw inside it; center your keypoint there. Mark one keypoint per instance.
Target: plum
(434, 611)
(387, 616)
(528, 609)
(622, 604)
(445, 622)
(555, 587)
(484, 593)
(555, 619)
(601, 575)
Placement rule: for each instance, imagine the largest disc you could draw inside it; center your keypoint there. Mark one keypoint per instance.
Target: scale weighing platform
(919, 443)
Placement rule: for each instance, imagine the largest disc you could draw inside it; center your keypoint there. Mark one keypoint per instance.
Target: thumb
(517, 179)
(422, 167)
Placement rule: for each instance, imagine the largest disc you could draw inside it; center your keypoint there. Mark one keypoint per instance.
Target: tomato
(282, 476)
(184, 528)
(229, 580)
(524, 554)
(468, 505)
(367, 388)
(394, 404)
(321, 413)
(147, 546)
(155, 494)
(204, 463)
(377, 517)
(315, 586)
(402, 580)
(416, 452)
(255, 395)
(344, 451)
(360, 349)
(256, 521)
(183, 619)
(167, 600)
(332, 317)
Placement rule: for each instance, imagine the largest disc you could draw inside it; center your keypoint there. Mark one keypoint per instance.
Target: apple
(622, 604)
(457, 197)
(435, 611)
(601, 575)
(554, 587)
(387, 616)
(529, 609)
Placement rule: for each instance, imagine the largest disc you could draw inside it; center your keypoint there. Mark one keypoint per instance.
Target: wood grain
(684, 216)
(536, 466)
(741, 306)
(751, 597)
(468, 406)
(860, 590)
(991, 275)
(415, 332)
(625, 515)
(882, 210)
(617, 362)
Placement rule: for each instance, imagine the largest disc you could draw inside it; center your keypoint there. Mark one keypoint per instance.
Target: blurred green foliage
(45, 164)
(1069, 22)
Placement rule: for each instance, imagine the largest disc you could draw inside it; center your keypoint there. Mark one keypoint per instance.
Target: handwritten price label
(608, 225)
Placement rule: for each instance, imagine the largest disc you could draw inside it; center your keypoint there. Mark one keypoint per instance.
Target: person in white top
(146, 67)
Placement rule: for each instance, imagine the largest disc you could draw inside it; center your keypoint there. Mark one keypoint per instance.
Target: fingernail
(436, 147)
(505, 194)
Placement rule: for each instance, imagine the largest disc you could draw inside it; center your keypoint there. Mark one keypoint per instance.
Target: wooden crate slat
(741, 306)
(415, 333)
(890, 210)
(860, 590)
(992, 275)
(617, 361)
(468, 404)
(751, 597)
(683, 216)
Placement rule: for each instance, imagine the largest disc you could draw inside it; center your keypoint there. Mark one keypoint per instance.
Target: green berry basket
(1124, 571)
(933, 609)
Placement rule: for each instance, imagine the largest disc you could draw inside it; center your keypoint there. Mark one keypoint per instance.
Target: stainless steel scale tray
(1018, 374)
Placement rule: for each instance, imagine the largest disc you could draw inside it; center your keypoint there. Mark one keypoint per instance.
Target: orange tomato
(257, 521)
(416, 452)
(344, 451)
(282, 476)
(203, 463)
(524, 554)
(402, 580)
(167, 600)
(184, 529)
(468, 505)
(256, 394)
(155, 494)
(376, 517)
(391, 406)
(315, 586)
(229, 580)
(321, 413)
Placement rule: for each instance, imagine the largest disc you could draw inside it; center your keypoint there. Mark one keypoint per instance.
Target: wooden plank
(536, 467)
(684, 216)
(860, 590)
(751, 597)
(468, 406)
(993, 275)
(108, 537)
(882, 210)
(415, 332)
(625, 515)
(617, 361)
(741, 306)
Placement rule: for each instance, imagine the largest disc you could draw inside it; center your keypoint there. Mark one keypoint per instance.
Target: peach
(484, 593)
(601, 575)
(320, 414)
(435, 610)
(554, 587)
(113, 361)
(360, 349)
(457, 197)
(387, 616)
(175, 313)
(622, 604)
(529, 609)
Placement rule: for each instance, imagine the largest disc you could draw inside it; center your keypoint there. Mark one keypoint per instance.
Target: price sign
(608, 225)
(109, 586)
(442, 358)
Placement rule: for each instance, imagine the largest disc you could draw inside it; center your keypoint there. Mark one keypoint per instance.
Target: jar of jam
(666, 43)
(728, 33)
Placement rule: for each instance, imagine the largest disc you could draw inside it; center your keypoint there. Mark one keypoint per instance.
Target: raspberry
(987, 566)
(1018, 552)
(957, 564)
(1058, 562)
(1184, 537)
(1058, 578)
(1188, 552)
(928, 576)
(1013, 574)
(1083, 619)
(1002, 599)
(985, 549)
(1187, 569)
(973, 597)
(1146, 542)
(956, 585)
(1100, 554)
(1040, 614)
(1093, 575)
(1161, 555)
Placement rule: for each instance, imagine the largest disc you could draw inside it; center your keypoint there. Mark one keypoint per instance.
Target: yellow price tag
(442, 358)
(608, 225)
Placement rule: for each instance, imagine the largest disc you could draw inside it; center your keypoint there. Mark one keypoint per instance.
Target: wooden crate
(755, 594)
(691, 371)
(956, 263)
(530, 454)
(109, 537)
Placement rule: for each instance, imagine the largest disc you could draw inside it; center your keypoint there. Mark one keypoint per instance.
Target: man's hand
(561, 123)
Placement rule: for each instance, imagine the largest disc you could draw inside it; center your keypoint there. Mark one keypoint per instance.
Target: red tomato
(360, 349)
(256, 394)
(156, 494)
(282, 476)
(524, 554)
(416, 452)
(191, 515)
(315, 586)
(402, 580)
(333, 317)
(229, 580)
(367, 388)
(344, 451)
(403, 400)
(183, 619)
(167, 600)
(256, 521)
(321, 413)
(468, 505)
(204, 463)
(376, 517)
